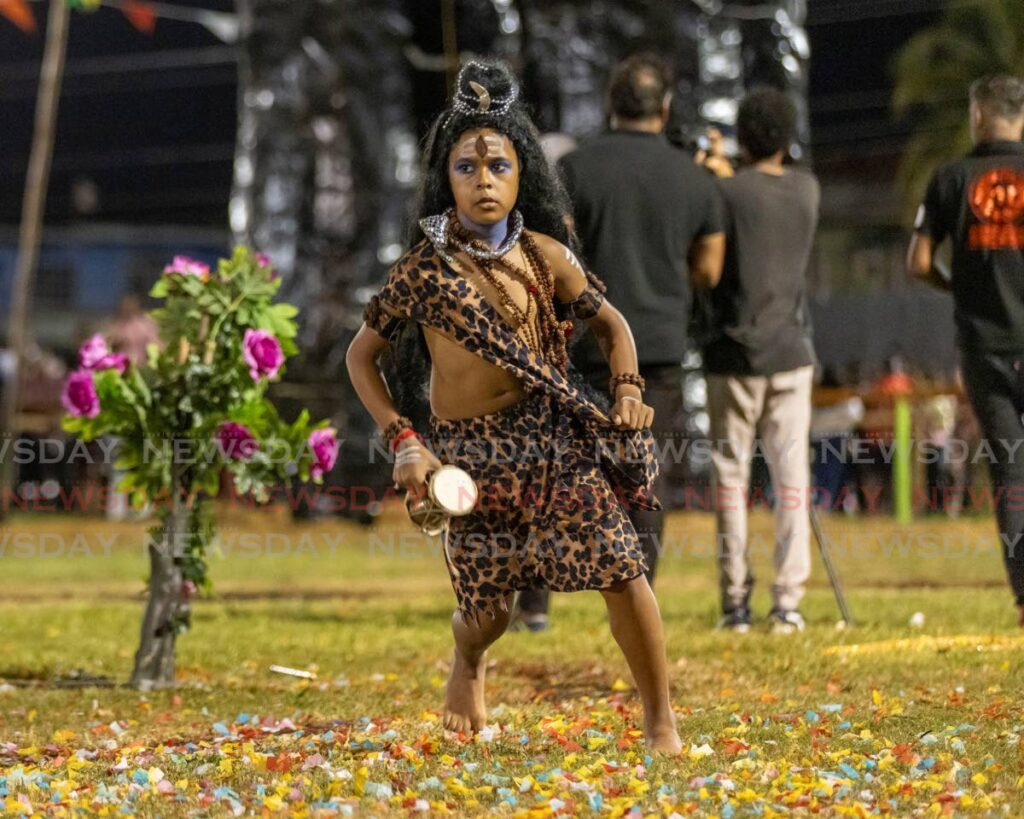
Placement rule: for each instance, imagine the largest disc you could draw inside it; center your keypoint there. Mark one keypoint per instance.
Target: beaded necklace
(547, 335)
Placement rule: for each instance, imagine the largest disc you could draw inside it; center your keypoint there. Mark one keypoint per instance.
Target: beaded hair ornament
(480, 100)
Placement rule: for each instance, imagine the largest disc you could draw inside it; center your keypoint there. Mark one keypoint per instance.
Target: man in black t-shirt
(759, 358)
(650, 227)
(978, 203)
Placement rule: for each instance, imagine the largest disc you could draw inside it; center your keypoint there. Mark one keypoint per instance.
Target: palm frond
(925, 153)
(933, 73)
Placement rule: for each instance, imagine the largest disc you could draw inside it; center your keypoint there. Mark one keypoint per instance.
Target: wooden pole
(450, 43)
(33, 208)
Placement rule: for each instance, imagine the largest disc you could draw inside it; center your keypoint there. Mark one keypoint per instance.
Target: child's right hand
(410, 471)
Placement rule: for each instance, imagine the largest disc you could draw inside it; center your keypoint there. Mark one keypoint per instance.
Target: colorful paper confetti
(585, 756)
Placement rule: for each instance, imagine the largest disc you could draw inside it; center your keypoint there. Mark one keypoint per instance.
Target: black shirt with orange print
(979, 203)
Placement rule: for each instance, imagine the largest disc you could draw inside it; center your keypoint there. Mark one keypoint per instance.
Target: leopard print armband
(586, 304)
(379, 319)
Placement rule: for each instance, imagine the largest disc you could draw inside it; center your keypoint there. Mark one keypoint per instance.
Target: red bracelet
(408, 432)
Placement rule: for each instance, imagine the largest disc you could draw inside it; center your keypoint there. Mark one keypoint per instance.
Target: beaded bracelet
(635, 379)
(392, 430)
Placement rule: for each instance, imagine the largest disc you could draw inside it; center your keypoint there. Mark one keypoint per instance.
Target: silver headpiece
(481, 101)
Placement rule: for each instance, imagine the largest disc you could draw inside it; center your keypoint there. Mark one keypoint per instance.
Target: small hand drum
(451, 492)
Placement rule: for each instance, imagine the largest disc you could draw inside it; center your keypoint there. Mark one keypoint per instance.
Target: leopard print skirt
(546, 515)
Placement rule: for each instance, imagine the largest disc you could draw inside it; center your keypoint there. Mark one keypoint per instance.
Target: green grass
(368, 612)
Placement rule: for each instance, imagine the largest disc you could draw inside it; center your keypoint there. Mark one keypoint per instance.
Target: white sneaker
(785, 622)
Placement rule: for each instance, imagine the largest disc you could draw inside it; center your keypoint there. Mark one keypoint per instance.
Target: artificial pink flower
(94, 355)
(188, 589)
(79, 395)
(324, 444)
(262, 352)
(236, 441)
(185, 266)
(92, 351)
(263, 260)
(113, 361)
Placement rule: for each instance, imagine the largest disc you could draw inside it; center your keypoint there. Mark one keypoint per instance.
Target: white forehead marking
(493, 142)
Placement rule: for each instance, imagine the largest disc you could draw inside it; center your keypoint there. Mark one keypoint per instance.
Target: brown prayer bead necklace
(539, 281)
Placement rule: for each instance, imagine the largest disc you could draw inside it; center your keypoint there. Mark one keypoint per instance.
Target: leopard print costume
(554, 474)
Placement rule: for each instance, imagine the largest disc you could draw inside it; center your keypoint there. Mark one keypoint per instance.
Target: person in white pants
(759, 357)
(777, 410)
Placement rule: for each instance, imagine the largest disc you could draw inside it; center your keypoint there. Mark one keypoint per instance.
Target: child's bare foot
(465, 711)
(663, 739)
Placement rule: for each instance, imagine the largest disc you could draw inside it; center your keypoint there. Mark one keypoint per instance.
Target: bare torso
(462, 384)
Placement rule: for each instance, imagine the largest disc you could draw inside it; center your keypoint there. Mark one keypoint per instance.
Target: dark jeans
(991, 382)
(664, 392)
(829, 469)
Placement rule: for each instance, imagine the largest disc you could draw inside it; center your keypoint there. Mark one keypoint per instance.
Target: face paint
(482, 143)
(483, 172)
(492, 235)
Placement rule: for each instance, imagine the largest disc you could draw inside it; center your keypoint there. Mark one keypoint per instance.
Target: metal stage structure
(336, 95)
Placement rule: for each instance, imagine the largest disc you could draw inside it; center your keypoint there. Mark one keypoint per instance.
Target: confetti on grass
(586, 756)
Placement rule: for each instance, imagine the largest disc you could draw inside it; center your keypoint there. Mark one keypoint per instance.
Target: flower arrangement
(195, 409)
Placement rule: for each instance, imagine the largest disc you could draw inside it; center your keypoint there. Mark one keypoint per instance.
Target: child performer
(494, 288)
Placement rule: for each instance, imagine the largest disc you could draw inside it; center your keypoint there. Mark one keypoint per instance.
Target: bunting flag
(140, 14)
(19, 13)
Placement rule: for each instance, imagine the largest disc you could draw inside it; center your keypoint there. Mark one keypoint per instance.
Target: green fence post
(901, 477)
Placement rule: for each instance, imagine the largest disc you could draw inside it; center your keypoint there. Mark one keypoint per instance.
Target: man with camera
(759, 357)
(650, 227)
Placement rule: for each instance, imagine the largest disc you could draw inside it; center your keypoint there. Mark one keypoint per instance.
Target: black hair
(1000, 95)
(638, 86)
(766, 122)
(542, 198)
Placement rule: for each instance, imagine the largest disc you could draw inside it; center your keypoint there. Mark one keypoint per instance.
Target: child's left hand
(631, 412)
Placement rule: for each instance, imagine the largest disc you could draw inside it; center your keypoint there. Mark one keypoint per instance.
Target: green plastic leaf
(211, 483)
(72, 424)
(140, 387)
(128, 459)
(285, 311)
